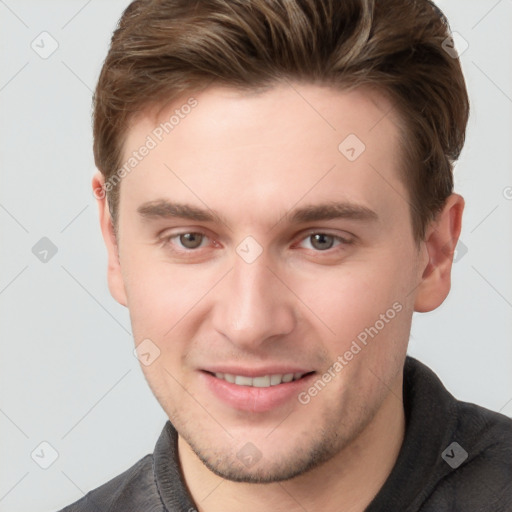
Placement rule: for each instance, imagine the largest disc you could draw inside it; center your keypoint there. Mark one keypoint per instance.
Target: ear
(440, 243)
(115, 277)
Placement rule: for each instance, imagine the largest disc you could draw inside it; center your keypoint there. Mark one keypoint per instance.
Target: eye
(191, 240)
(323, 241)
(188, 240)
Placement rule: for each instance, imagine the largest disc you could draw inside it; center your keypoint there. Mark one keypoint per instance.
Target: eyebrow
(164, 209)
(335, 210)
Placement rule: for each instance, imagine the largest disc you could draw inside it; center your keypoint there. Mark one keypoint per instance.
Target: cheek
(162, 300)
(161, 294)
(351, 297)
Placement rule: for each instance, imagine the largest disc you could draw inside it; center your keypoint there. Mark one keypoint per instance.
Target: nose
(253, 306)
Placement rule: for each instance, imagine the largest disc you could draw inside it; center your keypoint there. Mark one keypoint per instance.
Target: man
(276, 198)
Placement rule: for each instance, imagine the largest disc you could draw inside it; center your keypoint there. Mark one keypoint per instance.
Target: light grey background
(67, 372)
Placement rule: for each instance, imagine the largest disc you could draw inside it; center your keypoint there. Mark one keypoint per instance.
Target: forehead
(264, 152)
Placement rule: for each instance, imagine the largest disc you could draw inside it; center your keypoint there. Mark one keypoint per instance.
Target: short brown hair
(163, 48)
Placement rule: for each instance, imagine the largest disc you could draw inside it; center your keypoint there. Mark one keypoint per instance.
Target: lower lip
(253, 399)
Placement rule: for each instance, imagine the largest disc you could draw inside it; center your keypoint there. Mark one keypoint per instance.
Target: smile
(257, 393)
(264, 381)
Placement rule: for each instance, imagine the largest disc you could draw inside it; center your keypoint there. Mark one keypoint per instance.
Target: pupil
(322, 242)
(191, 240)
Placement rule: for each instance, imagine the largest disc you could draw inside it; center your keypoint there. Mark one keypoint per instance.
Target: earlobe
(440, 243)
(114, 274)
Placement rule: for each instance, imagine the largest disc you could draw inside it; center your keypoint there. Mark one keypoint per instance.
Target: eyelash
(166, 241)
(342, 241)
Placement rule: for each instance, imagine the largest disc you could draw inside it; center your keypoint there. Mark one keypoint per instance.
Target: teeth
(263, 381)
(240, 380)
(275, 379)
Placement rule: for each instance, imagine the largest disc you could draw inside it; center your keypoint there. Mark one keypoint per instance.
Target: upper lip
(256, 372)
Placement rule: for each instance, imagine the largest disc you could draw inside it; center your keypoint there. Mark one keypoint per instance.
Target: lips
(256, 391)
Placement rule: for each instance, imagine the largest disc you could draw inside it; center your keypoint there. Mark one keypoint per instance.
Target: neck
(346, 483)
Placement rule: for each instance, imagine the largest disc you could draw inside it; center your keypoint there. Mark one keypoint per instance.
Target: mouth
(257, 393)
(263, 381)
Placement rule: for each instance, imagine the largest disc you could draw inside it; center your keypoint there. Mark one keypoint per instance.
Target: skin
(252, 159)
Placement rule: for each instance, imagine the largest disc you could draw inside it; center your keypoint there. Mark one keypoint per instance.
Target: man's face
(248, 252)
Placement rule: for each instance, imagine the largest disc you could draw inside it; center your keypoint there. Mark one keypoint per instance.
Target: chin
(249, 465)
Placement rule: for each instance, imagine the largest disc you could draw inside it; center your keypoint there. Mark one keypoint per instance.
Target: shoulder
(134, 489)
(488, 439)
(486, 429)
(153, 484)
(460, 454)
(479, 462)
